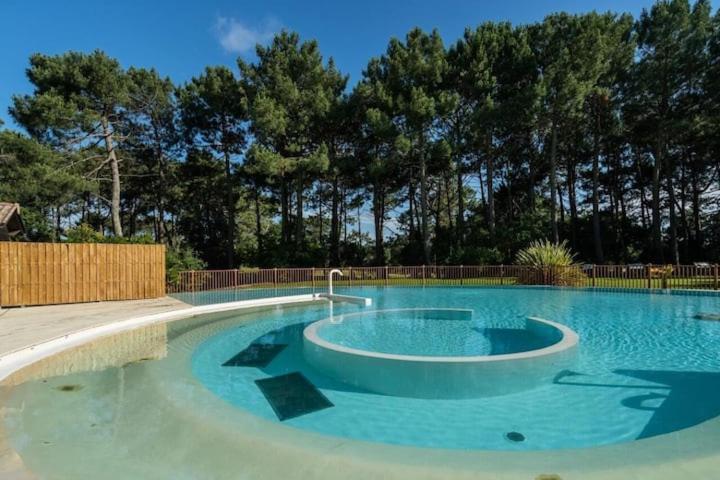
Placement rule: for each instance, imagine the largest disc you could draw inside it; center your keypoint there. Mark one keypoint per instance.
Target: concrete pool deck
(28, 326)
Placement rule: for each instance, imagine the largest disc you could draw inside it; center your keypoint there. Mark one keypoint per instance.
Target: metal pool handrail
(330, 279)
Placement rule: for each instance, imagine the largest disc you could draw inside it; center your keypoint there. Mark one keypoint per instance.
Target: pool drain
(69, 388)
(515, 436)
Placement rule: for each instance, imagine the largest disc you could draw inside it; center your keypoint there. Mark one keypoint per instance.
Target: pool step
(346, 298)
(292, 395)
(256, 355)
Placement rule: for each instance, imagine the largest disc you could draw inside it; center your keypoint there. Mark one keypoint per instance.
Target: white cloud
(237, 37)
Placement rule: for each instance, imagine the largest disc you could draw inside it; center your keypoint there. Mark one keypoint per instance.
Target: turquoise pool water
(645, 367)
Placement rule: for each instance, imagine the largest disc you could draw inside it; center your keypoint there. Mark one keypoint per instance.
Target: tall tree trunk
(230, 206)
(697, 237)
(561, 203)
(460, 222)
(656, 235)
(481, 183)
(687, 234)
(424, 206)
(572, 200)
(620, 229)
(284, 213)
(299, 224)
(553, 184)
(510, 190)
(335, 224)
(411, 208)
(597, 234)
(115, 172)
(133, 218)
(258, 224)
(378, 201)
(674, 250)
(641, 190)
(344, 215)
(58, 225)
(531, 172)
(437, 208)
(490, 179)
(320, 220)
(448, 200)
(161, 233)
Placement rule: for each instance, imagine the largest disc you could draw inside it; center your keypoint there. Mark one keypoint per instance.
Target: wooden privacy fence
(590, 276)
(54, 273)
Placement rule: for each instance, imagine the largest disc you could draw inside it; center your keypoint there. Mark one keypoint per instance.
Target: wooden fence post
(648, 273)
(386, 275)
(423, 275)
(715, 277)
(312, 272)
(593, 276)
(275, 277)
(461, 274)
(350, 275)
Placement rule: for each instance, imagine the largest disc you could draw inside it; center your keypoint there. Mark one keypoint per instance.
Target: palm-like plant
(551, 264)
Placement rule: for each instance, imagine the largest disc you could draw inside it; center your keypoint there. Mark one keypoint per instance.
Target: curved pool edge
(569, 340)
(420, 376)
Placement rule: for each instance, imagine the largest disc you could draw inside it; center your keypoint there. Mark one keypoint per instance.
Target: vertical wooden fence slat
(25, 274)
(5, 272)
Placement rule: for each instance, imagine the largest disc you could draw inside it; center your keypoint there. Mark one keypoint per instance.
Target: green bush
(84, 233)
(551, 264)
(178, 259)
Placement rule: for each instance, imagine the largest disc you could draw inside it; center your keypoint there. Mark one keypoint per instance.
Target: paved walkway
(24, 327)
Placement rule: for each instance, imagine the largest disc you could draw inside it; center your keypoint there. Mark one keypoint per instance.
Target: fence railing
(594, 276)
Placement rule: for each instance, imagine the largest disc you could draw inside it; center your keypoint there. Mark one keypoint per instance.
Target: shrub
(178, 259)
(551, 264)
(84, 233)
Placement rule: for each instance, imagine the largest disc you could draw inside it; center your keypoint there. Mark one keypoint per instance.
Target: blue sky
(181, 37)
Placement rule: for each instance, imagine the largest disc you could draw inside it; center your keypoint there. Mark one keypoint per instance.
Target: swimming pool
(234, 394)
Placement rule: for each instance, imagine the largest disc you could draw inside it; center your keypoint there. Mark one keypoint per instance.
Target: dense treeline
(598, 129)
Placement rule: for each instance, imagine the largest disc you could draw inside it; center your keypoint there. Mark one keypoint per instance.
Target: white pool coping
(436, 376)
(568, 340)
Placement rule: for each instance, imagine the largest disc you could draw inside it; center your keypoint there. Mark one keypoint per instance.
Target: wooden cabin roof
(11, 223)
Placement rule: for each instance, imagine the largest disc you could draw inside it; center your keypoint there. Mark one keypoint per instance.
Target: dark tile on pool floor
(292, 395)
(256, 355)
